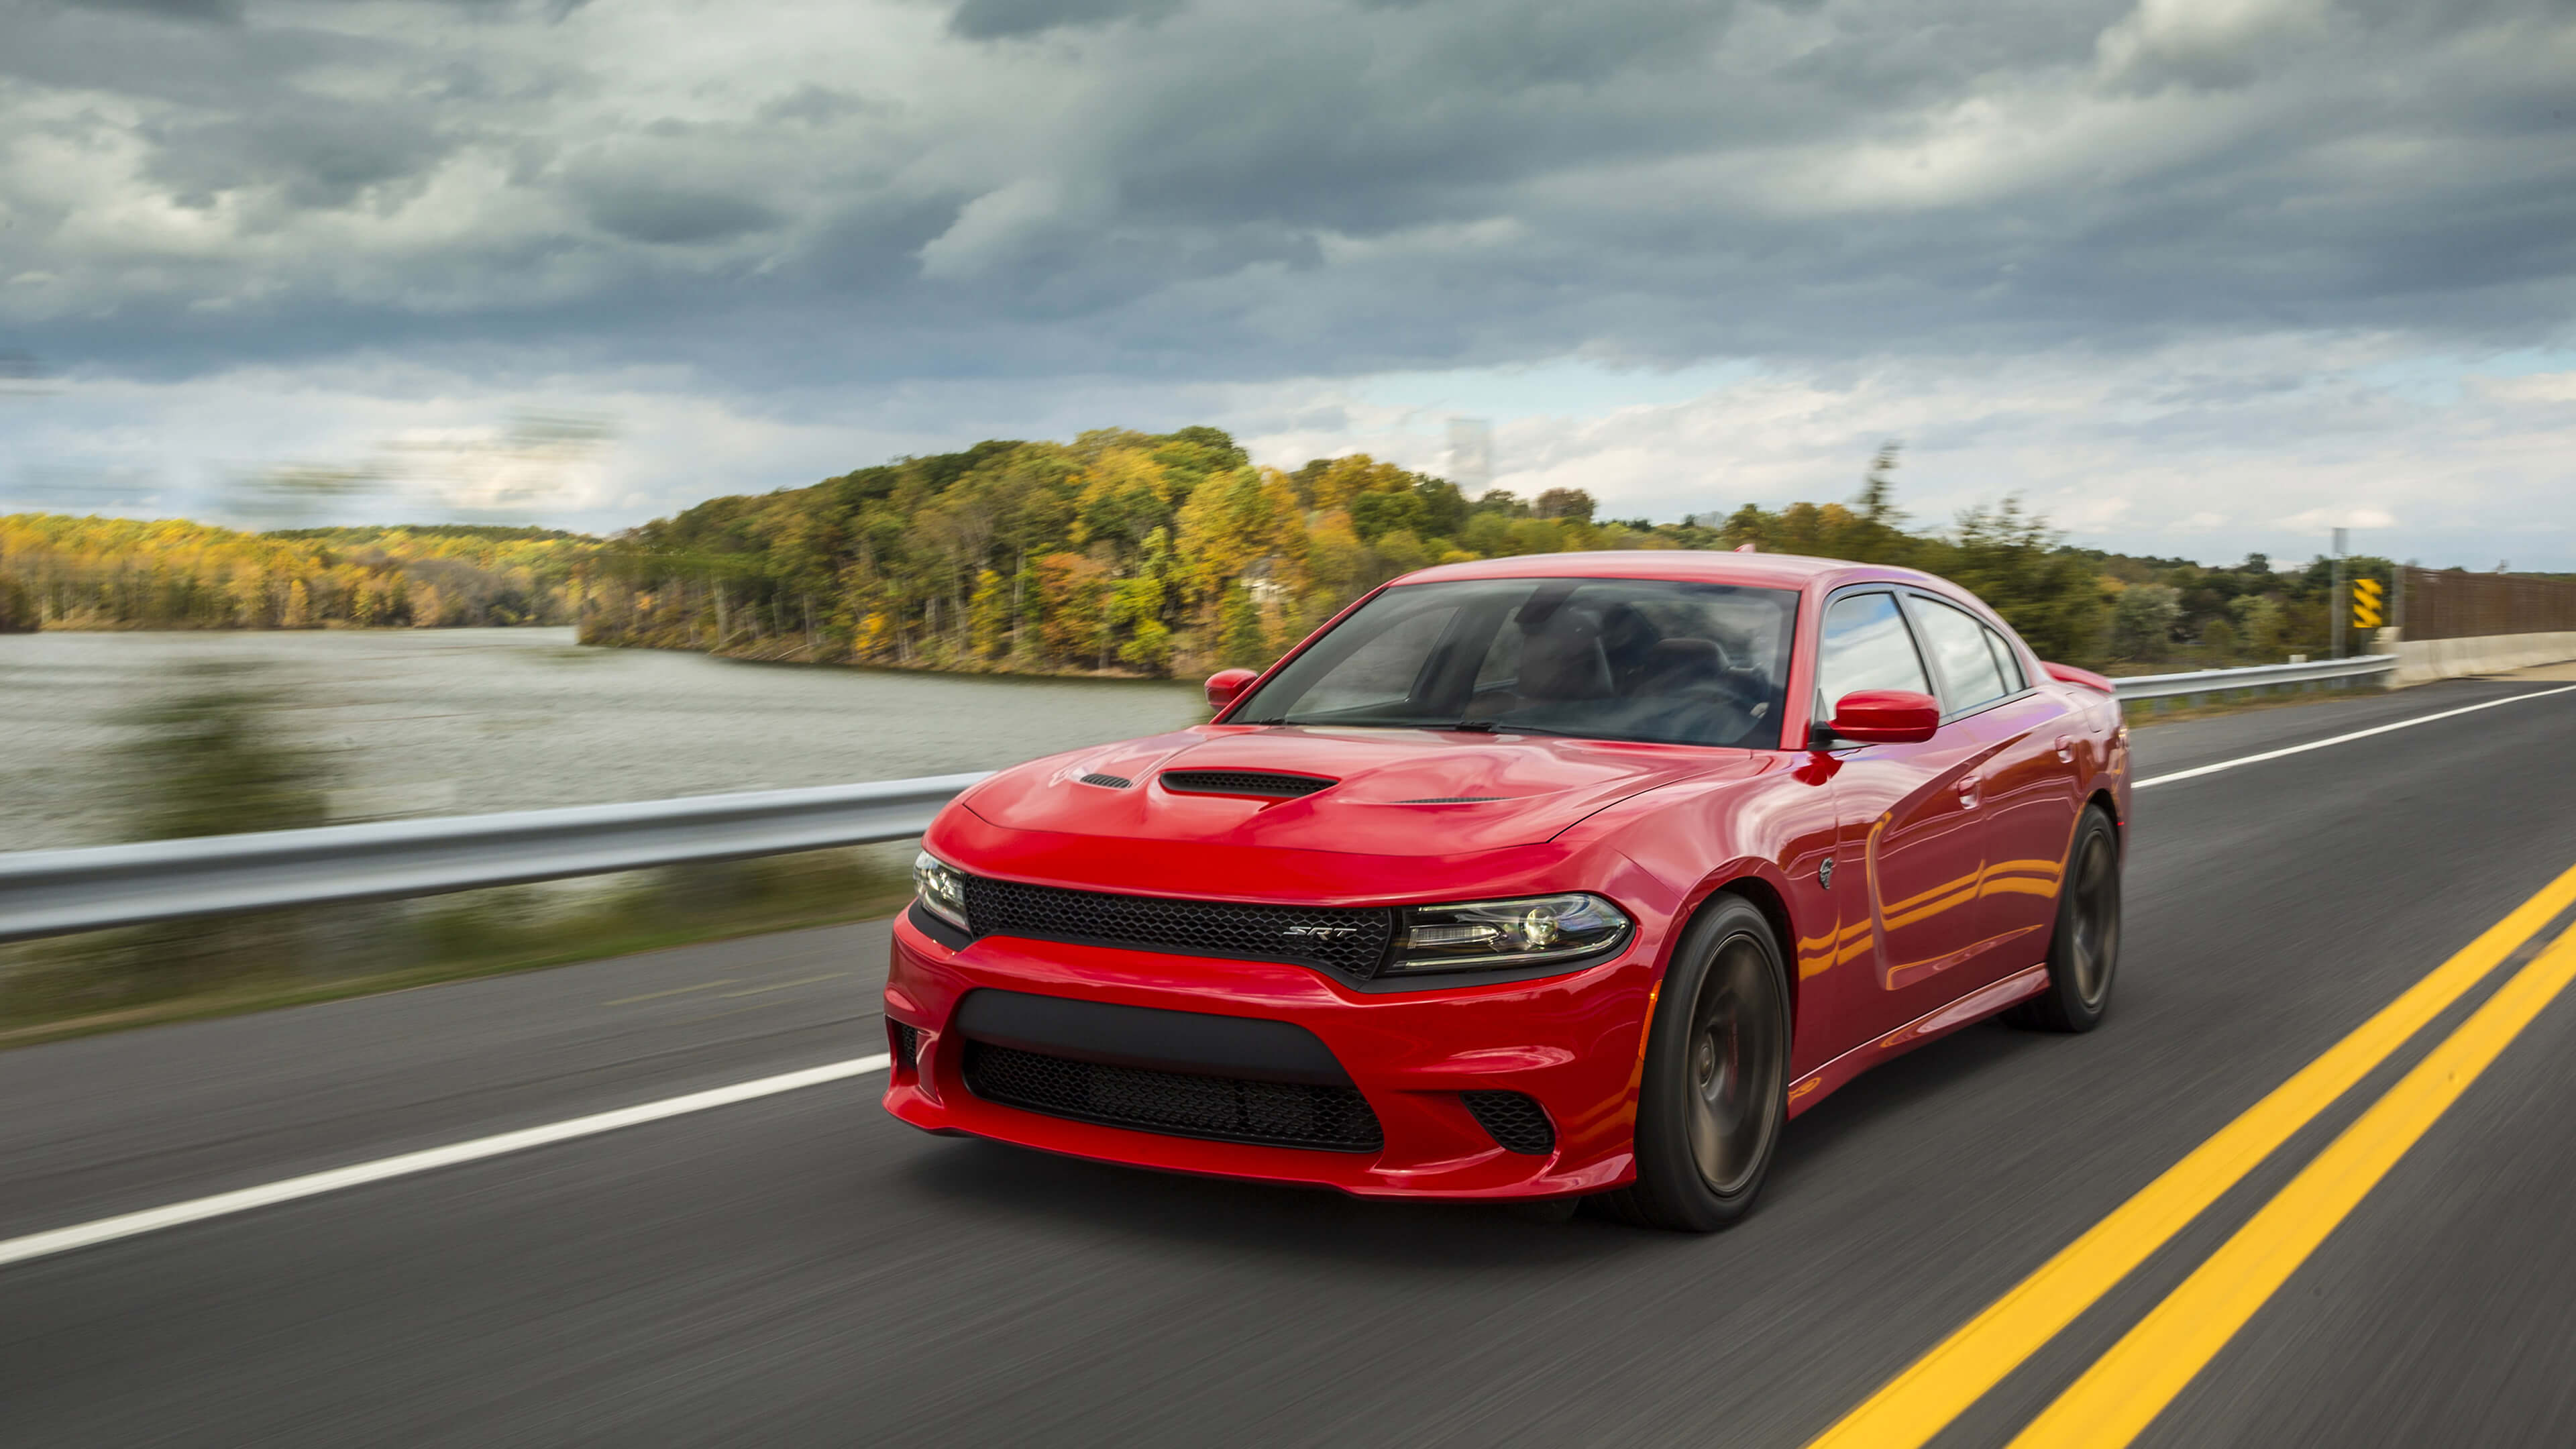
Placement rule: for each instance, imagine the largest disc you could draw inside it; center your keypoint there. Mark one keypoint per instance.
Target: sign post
(2342, 542)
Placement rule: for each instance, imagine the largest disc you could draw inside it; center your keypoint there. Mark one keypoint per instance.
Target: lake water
(463, 721)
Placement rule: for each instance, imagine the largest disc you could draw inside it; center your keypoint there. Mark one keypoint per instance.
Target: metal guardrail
(2260, 676)
(55, 892)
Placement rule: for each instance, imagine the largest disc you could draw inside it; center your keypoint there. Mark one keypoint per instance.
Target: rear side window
(1957, 642)
(2006, 661)
(1865, 646)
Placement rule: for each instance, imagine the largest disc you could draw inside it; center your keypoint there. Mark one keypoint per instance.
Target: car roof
(1750, 570)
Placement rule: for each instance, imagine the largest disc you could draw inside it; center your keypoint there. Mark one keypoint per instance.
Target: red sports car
(1533, 877)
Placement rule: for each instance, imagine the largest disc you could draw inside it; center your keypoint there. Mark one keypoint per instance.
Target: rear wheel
(1714, 1092)
(2084, 951)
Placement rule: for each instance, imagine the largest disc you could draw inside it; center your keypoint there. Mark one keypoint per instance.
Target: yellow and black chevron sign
(2366, 594)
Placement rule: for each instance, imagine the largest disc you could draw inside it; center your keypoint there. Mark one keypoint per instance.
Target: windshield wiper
(1495, 726)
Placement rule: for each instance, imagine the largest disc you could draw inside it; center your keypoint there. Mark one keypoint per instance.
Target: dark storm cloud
(814, 105)
(1228, 189)
(320, 152)
(225, 11)
(993, 19)
(670, 216)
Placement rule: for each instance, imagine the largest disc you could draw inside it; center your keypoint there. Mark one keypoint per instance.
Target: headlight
(1525, 932)
(941, 890)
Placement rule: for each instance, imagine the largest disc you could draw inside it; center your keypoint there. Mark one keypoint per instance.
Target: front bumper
(1572, 1042)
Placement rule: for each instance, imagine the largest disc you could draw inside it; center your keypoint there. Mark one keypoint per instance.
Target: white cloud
(2204, 32)
(999, 223)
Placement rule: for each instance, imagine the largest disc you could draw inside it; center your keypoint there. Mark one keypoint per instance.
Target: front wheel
(2084, 950)
(1713, 1094)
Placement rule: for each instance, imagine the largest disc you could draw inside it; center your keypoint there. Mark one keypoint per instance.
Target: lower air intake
(1183, 1104)
(1517, 1122)
(907, 1046)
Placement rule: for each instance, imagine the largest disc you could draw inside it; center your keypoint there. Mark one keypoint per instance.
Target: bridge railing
(56, 892)
(2260, 676)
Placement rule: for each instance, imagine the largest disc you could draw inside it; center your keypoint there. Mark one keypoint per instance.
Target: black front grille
(1182, 1104)
(1264, 783)
(1347, 939)
(1517, 1122)
(1108, 782)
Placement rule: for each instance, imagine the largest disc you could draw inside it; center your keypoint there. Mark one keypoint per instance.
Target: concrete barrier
(2421, 661)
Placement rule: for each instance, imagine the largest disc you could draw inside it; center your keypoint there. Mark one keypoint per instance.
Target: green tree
(989, 618)
(1376, 514)
(1572, 503)
(2219, 638)
(2260, 621)
(1242, 642)
(2142, 620)
(2010, 559)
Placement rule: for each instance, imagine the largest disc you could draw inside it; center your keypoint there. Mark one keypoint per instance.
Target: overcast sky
(2192, 276)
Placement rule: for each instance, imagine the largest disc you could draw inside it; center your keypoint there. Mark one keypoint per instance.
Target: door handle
(2066, 749)
(1968, 790)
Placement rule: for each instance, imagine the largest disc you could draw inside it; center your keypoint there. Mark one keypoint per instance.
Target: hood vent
(1264, 784)
(1109, 782)
(1453, 800)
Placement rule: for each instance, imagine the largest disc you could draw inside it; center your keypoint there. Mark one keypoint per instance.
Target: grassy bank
(2174, 709)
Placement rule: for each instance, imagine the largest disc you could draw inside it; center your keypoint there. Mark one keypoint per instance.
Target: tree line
(1117, 553)
(1120, 552)
(1171, 553)
(63, 572)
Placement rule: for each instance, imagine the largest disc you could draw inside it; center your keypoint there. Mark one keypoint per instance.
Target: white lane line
(150, 1220)
(674, 991)
(784, 985)
(2403, 724)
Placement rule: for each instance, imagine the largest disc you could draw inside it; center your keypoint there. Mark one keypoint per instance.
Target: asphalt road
(802, 1269)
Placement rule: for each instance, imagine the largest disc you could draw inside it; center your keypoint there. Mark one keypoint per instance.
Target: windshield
(1611, 659)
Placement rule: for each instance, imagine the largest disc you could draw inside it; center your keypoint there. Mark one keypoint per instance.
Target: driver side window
(1865, 645)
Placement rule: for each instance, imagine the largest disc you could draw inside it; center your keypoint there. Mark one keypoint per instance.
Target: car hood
(1393, 792)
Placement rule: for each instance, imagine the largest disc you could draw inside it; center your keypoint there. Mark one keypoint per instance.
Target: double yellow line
(2131, 1384)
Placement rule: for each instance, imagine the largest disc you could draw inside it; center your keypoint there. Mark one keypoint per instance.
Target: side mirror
(1225, 684)
(1886, 716)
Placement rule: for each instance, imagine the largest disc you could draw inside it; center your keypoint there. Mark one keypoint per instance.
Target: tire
(1714, 1093)
(2084, 949)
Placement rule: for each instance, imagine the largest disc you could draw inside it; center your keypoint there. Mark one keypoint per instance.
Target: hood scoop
(1260, 784)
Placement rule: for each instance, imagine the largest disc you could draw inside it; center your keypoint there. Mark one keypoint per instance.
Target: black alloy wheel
(1715, 1090)
(2084, 950)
